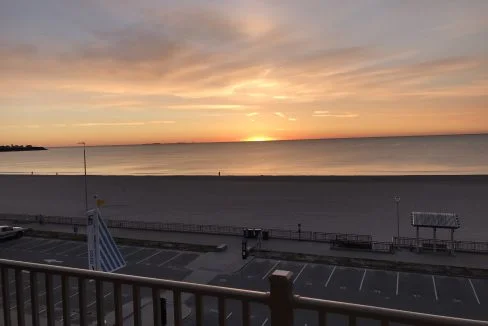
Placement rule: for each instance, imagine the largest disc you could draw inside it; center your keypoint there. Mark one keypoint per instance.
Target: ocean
(427, 155)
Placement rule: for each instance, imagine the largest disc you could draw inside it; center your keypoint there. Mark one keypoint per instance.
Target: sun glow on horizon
(259, 138)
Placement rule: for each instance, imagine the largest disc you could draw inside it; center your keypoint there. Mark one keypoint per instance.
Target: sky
(127, 72)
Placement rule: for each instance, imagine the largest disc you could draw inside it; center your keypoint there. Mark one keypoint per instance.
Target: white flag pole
(91, 240)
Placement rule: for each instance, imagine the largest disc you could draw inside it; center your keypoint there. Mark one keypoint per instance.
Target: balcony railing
(281, 301)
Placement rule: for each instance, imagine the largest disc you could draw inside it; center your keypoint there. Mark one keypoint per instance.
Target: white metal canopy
(435, 220)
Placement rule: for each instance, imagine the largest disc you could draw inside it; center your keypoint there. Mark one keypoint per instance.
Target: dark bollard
(244, 249)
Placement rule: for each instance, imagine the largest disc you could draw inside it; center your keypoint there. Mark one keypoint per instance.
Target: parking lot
(460, 297)
(148, 262)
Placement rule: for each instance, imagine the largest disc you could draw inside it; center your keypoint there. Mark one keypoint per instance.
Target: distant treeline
(20, 148)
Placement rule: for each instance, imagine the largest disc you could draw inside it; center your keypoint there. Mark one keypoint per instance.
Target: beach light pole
(397, 201)
(84, 162)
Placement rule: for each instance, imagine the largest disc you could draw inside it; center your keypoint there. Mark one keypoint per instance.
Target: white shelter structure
(435, 221)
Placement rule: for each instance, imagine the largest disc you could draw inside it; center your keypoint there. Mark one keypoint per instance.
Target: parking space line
(228, 316)
(474, 291)
(95, 301)
(70, 249)
(52, 248)
(435, 289)
(57, 244)
(362, 281)
(398, 278)
(299, 273)
(60, 301)
(135, 252)
(169, 260)
(40, 296)
(330, 276)
(271, 270)
(264, 322)
(149, 257)
(38, 245)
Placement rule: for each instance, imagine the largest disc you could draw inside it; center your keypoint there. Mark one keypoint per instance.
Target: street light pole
(397, 201)
(84, 162)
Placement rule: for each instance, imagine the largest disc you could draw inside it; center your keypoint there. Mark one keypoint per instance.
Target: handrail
(392, 315)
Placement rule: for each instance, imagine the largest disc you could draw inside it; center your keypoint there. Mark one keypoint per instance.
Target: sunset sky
(125, 72)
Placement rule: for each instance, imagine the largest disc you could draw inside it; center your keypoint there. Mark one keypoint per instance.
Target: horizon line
(275, 140)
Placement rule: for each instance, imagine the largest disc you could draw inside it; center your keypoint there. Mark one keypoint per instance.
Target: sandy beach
(361, 205)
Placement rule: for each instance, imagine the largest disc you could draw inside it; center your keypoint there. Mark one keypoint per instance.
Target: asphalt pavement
(452, 296)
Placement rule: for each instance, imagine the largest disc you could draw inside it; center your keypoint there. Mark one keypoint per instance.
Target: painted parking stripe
(398, 278)
(474, 291)
(40, 296)
(170, 260)
(59, 244)
(41, 243)
(95, 301)
(135, 252)
(228, 316)
(264, 322)
(435, 289)
(330, 276)
(271, 270)
(362, 281)
(300, 273)
(71, 249)
(149, 257)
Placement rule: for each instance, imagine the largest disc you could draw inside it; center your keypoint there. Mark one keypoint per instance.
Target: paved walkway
(230, 260)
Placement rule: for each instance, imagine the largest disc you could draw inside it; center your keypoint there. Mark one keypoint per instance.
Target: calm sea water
(367, 156)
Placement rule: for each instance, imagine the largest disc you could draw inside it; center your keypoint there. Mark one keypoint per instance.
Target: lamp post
(397, 201)
(84, 162)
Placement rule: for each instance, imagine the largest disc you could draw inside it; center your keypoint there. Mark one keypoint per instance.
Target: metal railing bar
(66, 298)
(222, 315)
(6, 297)
(34, 298)
(19, 288)
(322, 318)
(379, 313)
(82, 301)
(156, 301)
(177, 308)
(118, 303)
(198, 310)
(136, 298)
(49, 299)
(245, 313)
(352, 320)
(99, 302)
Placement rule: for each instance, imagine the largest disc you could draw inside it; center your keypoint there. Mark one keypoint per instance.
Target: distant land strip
(21, 148)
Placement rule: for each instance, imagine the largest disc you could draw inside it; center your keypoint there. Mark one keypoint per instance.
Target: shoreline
(273, 178)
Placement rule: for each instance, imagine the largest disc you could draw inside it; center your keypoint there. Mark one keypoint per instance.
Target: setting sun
(258, 138)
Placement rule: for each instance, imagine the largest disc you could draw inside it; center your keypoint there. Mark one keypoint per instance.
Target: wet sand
(361, 205)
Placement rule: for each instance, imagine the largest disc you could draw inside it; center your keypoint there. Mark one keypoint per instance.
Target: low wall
(374, 264)
(130, 242)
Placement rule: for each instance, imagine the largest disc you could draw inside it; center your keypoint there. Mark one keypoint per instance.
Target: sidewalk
(230, 260)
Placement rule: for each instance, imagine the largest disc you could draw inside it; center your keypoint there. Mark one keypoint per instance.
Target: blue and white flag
(103, 253)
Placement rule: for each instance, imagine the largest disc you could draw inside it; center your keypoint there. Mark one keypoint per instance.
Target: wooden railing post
(281, 298)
